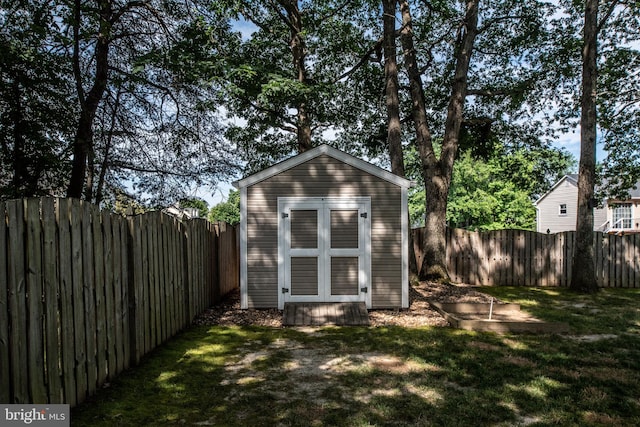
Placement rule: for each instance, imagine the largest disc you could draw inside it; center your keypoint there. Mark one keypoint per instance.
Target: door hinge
(364, 290)
(285, 215)
(285, 290)
(363, 215)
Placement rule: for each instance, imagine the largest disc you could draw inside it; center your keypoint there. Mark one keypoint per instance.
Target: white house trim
(244, 291)
(405, 247)
(323, 250)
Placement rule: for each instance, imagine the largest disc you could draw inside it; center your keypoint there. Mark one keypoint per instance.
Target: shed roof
(320, 150)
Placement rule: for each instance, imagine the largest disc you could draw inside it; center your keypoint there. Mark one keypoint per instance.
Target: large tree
(616, 29)
(158, 126)
(392, 98)
(470, 65)
(35, 116)
(583, 276)
(134, 93)
(103, 97)
(302, 76)
(436, 171)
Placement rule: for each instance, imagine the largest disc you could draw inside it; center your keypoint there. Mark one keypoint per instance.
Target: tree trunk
(107, 151)
(83, 141)
(394, 140)
(583, 276)
(298, 51)
(437, 172)
(394, 135)
(434, 240)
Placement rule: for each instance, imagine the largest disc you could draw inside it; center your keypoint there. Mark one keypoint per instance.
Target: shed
(324, 226)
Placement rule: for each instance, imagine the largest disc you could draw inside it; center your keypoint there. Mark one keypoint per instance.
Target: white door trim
(324, 205)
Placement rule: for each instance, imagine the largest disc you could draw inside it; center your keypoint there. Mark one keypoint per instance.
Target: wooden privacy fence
(84, 294)
(526, 258)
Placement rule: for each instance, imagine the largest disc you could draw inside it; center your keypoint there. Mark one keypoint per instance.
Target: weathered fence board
(84, 294)
(34, 297)
(4, 311)
(66, 302)
(100, 309)
(51, 294)
(17, 300)
(89, 288)
(109, 303)
(228, 257)
(126, 301)
(78, 301)
(516, 258)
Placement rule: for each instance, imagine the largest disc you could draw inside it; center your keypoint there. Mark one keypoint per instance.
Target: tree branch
(130, 76)
(493, 92)
(127, 166)
(363, 60)
(124, 9)
(76, 51)
(607, 14)
(334, 12)
(288, 7)
(493, 21)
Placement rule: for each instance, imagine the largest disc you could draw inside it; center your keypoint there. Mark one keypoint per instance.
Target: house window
(563, 209)
(622, 216)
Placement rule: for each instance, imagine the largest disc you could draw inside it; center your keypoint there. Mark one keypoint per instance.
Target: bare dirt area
(419, 313)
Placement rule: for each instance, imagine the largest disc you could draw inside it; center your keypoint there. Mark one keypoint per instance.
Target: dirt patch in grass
(419, 313)
(313, 374)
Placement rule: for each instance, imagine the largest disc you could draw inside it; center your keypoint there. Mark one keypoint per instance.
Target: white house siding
(324, 176)
(548, 215)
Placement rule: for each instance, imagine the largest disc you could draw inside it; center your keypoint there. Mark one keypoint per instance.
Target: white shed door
(324, 250)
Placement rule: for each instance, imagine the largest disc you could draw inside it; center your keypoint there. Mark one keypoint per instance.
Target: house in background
(556, 210)
(182, 213)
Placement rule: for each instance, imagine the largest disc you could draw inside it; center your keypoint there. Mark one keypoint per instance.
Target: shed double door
(324, 250)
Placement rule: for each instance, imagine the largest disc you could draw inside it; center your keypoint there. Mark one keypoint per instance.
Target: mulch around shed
(419, 313)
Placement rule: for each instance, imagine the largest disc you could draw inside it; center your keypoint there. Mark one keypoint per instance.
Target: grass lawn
(357, 376)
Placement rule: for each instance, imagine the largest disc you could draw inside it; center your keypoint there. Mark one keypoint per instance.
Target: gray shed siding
(324, 176)
(549, 210)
